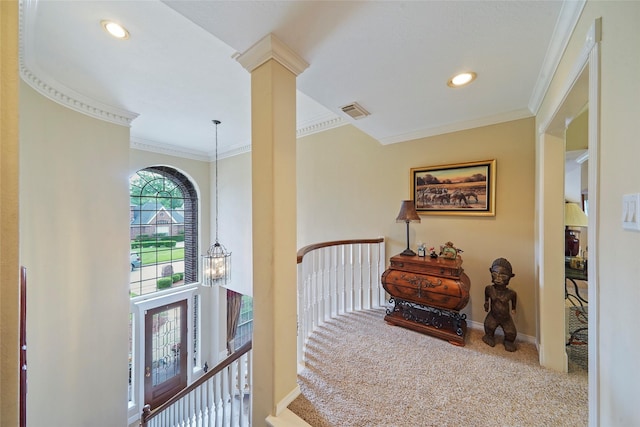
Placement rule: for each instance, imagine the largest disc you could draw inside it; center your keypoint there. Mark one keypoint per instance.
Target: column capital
(270, 47)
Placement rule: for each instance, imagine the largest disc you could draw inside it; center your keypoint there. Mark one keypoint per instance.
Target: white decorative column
(273, 67)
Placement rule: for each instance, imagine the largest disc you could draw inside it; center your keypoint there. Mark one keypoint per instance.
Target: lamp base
(571, 243)
(408, 252)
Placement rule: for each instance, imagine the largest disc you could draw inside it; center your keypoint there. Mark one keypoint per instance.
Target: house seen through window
(163, 225)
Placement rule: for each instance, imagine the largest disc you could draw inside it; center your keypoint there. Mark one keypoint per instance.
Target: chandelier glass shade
(216, 265)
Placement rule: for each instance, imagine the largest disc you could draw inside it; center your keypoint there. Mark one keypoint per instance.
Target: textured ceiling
(177, 71)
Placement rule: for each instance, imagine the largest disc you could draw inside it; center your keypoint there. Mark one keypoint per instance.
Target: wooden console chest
(428, 294)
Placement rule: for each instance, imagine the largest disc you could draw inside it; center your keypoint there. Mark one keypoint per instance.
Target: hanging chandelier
(216, 264)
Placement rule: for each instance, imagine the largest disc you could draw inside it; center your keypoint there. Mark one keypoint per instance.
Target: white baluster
(381, 268)
(358, 276)
(250, 385)
(217, 392)
(367, 279)
(208, 404)
(320, 287)
(340, 282)
(198, 411)
(233, 372)
(326, 289)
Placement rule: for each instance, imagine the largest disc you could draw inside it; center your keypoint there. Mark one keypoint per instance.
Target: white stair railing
(220, 398)
(336, 278)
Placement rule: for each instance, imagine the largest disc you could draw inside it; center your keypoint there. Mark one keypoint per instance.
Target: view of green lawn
(158, 255)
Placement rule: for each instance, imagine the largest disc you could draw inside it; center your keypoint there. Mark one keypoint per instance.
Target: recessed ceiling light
(115, 29)
(462, 79)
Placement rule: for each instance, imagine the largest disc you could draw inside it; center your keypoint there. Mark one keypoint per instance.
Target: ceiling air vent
(355, 111)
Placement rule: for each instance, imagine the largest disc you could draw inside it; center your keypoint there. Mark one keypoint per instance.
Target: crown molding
(270, 47)
(320, 125)
(234, 151)
(569, 15)
(593, 37)
(309, 127)
(167, 149)
(459, 126)
(51, 88)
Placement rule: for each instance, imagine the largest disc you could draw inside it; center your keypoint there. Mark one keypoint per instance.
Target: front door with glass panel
(165, 352)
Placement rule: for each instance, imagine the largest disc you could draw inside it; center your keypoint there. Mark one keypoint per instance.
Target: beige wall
(576, 174)
(618, 383)
(350, 186)
(9, 297)
(73, 225)
(577, 132)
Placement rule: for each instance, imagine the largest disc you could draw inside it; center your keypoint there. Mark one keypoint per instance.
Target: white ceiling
(177, 71)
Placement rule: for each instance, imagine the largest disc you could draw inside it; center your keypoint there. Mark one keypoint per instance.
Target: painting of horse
(457, 189)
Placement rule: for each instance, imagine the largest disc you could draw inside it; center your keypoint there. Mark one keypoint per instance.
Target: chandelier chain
(216, 122)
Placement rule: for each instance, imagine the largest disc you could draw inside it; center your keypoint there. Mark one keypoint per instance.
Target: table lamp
(408, 214)
(573, 217)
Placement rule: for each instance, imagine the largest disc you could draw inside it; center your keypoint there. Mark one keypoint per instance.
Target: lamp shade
(408, 212)
(574, 216)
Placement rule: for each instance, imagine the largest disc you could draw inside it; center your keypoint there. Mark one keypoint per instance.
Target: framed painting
(456, 189)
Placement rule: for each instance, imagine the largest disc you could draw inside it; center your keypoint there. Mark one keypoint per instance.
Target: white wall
(235, 229)
(573, 184)
(73, 228)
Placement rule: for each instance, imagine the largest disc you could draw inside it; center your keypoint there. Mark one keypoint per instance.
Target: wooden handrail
(303, 251)
(148, 414)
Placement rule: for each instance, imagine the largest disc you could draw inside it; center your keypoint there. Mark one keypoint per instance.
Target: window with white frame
(163, 230)
(245, 322)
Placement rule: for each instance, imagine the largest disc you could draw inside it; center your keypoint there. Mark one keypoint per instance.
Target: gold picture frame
(455, 189)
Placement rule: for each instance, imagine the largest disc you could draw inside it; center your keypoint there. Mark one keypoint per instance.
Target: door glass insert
(166, 345)
(166, 359)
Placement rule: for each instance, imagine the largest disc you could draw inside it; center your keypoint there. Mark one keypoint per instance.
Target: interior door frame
(582, 87)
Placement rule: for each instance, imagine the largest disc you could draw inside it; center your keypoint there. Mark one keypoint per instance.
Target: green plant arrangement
(164, 282)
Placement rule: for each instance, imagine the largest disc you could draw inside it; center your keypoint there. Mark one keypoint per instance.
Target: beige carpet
(363, 372)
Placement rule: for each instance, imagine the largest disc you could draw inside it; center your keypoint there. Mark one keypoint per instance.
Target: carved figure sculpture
(500, 303)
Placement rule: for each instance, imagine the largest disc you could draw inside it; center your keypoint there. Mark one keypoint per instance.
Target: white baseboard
(284, 403)
(286, 419)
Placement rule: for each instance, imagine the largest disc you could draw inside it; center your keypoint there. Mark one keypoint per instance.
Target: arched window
(163, 230)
